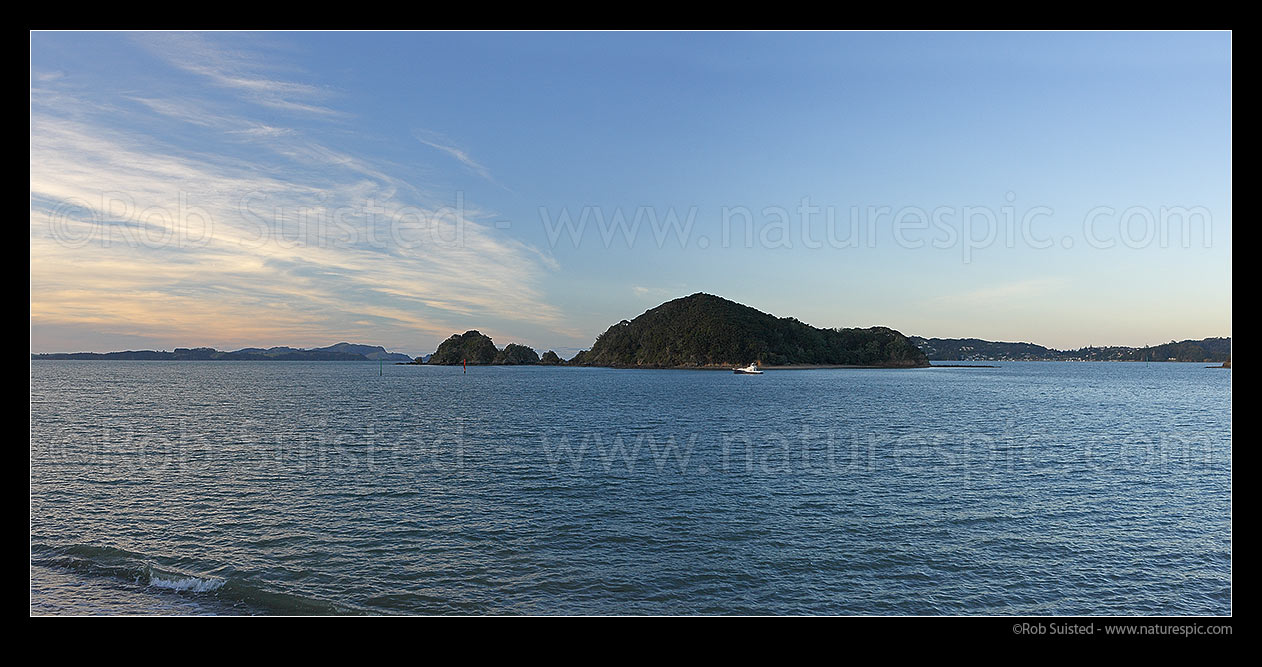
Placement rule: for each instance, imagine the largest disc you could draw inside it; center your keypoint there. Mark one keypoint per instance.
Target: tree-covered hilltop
(472, 347)
(1206, 349)
(514, 354)
(706, 330)
(550, 358)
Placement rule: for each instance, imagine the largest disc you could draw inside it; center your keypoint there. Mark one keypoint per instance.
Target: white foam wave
(184, 582)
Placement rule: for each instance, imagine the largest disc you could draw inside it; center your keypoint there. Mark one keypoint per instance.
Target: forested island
(704, 330)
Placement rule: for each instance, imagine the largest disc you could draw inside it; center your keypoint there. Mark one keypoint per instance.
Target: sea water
(298, 488)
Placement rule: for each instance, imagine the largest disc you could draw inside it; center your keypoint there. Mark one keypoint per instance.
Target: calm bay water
(275, 487)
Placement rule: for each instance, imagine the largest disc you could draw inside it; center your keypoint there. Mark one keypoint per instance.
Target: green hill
(706, 330)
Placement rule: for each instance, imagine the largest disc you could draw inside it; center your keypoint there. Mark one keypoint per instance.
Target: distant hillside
(707, 330)
(338, 352)
(370, 352)
(974, 349)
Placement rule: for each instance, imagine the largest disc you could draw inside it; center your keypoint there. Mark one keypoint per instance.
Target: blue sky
(241, 189)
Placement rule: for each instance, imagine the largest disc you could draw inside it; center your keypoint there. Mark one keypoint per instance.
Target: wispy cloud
(439, 142)
(305, 242)
(244, 72)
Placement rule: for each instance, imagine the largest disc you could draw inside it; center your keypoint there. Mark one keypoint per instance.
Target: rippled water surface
(276, 487)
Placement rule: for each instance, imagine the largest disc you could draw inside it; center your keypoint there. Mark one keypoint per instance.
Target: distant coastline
(1204, 350)
(336, 352)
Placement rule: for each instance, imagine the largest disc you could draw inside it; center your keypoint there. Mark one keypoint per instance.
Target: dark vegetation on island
(472, 347)
(973, 349)
(704, 330)
(515, 354)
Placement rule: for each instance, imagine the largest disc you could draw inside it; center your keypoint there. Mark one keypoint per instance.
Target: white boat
(751, 369)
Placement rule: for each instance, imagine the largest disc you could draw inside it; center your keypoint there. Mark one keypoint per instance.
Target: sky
(232, 189)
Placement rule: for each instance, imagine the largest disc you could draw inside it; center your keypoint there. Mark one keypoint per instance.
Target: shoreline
(729, 369)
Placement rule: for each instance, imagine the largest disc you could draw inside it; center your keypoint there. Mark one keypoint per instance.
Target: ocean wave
(174, 581)
(132, 568)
